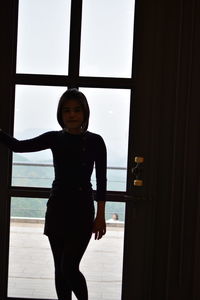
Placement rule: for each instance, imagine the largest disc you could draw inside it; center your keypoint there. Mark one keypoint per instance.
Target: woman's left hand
(99, 227)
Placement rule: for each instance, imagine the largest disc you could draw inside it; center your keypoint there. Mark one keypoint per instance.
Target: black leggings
(67, 254)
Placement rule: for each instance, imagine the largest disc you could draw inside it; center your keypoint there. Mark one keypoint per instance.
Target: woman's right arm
(38, 143)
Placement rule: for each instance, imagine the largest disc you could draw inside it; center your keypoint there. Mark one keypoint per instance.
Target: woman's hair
(74, 94)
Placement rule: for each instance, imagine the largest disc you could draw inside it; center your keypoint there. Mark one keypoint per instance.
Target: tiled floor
(31, 272)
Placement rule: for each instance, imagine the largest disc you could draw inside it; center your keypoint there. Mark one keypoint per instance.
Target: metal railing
(51, 165)
(44, 179)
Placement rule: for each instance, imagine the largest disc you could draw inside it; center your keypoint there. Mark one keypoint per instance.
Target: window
(107, 106)
(65, 44)
(107, 38)
(43, 36)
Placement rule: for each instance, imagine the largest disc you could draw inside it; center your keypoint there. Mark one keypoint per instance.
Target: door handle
(137, 171)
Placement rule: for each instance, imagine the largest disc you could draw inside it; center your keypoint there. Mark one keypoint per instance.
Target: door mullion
(75, 41)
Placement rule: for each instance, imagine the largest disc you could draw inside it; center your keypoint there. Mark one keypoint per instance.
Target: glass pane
(109, 117)
(107, 38)
(43, 36)
(31, 270)
(35, 113)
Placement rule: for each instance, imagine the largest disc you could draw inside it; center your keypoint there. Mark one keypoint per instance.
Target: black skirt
(69, 214)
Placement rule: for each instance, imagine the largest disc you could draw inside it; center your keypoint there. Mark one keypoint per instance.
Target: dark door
(162, 216)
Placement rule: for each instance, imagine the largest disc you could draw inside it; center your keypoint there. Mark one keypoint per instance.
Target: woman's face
(73, 116)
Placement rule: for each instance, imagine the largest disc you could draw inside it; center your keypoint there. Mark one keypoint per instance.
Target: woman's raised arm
(38, 143)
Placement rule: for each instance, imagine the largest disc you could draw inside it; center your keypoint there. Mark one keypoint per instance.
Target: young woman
(69, 220)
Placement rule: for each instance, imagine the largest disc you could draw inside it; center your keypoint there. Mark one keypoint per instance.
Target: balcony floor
(31, 272)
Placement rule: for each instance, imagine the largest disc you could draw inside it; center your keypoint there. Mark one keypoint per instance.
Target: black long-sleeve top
(74, 157)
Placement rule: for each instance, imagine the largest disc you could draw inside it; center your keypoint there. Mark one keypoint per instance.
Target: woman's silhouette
(70, 220)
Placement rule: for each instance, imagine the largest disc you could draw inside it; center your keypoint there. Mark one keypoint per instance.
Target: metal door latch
(137, 171)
